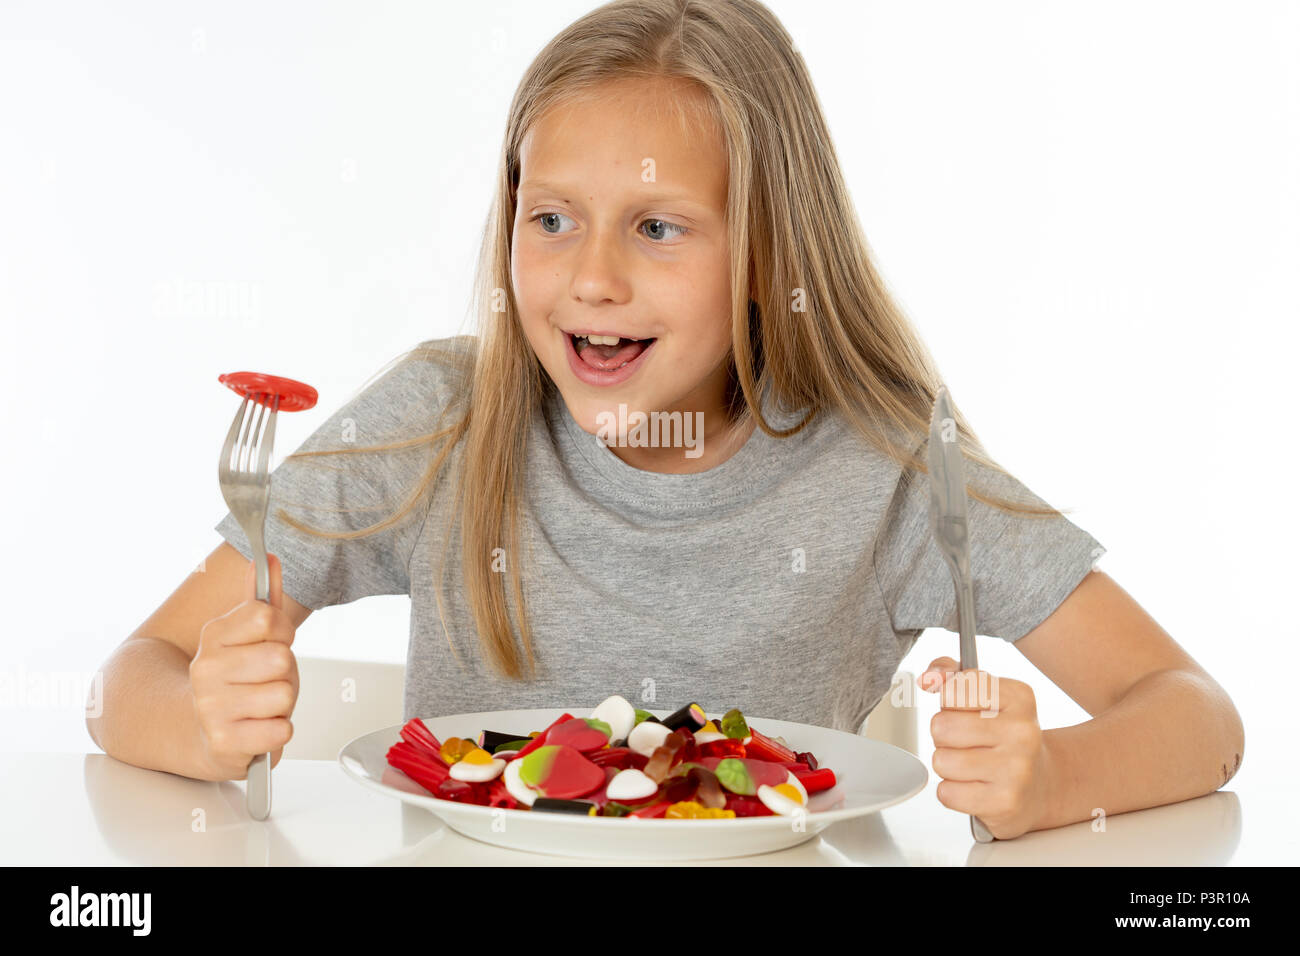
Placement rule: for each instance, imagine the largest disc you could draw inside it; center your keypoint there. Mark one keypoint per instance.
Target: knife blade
(948, 522)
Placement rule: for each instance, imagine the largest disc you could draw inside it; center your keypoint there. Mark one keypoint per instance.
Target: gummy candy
(727, 747)
(816, 780)
(623, 758)
(747, 806)
(767, 748)
(457, 790)
(664, 758)
(539, 737)
(701, 769)
(745, 776)
(583, 736)
(455, 748)
(733, 724)
(560, 771)
(690, 810)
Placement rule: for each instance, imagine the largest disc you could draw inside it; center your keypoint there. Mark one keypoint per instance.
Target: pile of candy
(620, 761)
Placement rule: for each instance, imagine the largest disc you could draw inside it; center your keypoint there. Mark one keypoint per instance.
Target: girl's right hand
(245, 681)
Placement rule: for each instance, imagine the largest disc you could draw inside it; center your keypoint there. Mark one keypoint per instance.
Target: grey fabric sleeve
(1022, 567)
(353, 490)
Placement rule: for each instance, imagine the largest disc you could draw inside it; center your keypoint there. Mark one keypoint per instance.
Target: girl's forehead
(616, 134)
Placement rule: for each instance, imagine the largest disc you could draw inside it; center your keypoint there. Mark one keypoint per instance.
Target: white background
(1090, 210)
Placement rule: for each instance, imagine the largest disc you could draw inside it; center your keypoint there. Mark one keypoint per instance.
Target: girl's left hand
(988, 748)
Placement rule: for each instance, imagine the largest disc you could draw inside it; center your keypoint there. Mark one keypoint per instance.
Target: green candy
(682, 769)
(733, 725)
(600, 725)
(616, 810)
(536, 766)
(510, 745)
(642, 715)
(734, 775)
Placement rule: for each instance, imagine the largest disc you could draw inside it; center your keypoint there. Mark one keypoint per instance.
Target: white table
(93, 810)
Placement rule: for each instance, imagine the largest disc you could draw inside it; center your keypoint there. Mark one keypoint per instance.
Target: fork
(246, 485)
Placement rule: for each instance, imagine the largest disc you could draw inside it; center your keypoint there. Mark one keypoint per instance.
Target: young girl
(668, 183)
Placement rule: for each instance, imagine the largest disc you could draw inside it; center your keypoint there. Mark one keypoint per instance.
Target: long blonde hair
(794, 238)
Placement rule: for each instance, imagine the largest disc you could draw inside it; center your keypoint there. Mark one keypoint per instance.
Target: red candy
(583, 764)
(457, 790)
(578, 735)
(265, 389)
(765, 748)
(623, 758)
(746, 806)
(723, 748)
(541, 738)
(570, 774)
(816, 780)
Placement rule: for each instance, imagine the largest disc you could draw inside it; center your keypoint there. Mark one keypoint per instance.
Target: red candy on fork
(264, 389)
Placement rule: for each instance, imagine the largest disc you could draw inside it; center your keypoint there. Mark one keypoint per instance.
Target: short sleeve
(356, 489)
(1022, 567)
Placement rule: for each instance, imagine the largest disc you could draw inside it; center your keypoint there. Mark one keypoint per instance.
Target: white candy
(630, 784)
(619, 714)
(646, 737)
(779, 803)
(708, 736)
(515, 786)
(476, 772)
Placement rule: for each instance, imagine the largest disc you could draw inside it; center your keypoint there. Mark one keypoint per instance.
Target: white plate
(870, 776)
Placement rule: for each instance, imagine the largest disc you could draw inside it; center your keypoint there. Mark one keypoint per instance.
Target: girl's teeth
(601, 339)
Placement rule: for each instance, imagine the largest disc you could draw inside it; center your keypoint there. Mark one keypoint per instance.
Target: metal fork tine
(264, 446)
(247, 463)
(228, 451)
(243, 442)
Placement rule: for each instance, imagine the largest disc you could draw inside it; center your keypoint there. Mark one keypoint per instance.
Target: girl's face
(620, 229)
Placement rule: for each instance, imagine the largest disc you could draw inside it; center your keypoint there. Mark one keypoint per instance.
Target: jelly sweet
(620, 761)
(556, 770)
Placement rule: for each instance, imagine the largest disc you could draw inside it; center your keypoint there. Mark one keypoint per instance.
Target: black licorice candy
(490, 740)
(691, 717)
(556, 805)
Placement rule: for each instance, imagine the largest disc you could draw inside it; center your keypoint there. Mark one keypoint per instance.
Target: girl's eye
(681, 230)
(663, 224)
(549, 215)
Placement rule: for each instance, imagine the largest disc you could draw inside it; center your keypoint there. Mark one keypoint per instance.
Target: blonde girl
(681, 458)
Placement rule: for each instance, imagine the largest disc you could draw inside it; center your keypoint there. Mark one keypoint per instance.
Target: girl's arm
(147, 708)
(1162, 730)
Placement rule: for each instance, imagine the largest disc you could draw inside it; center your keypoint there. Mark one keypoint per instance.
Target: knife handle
(257, 794)
(969, 661)
(979, 831)
(966, 622)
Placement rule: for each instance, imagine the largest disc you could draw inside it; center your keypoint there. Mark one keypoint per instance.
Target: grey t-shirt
(789, 581)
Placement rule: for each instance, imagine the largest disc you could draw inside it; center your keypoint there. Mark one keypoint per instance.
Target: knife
(948, 522)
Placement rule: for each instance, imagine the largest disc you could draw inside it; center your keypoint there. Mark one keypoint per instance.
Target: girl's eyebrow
(544, 187)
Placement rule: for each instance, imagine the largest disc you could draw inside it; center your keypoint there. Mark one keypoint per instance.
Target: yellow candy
(709, 728)
(690, 810)
(455, 749)
(477, 755)
(789, 790)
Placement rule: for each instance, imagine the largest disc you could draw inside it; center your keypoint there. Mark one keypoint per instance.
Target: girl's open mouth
(606, 364)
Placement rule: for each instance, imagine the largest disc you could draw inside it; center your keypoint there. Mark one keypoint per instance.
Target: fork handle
(257, 797)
